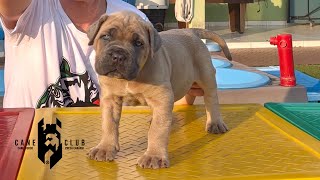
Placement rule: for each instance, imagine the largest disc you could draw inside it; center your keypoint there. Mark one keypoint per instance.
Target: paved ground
(269, 56)
(263, 57)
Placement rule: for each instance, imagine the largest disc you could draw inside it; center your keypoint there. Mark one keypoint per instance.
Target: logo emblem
(60, 93)
(49, 141)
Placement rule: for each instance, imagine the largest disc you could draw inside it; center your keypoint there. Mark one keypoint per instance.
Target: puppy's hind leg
(208, 83)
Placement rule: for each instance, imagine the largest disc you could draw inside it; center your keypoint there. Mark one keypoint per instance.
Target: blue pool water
(213, 47)
(220, 63)
(239, 79)
(228, 78)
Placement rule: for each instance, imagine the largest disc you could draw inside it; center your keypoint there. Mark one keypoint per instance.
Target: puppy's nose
(117, 57)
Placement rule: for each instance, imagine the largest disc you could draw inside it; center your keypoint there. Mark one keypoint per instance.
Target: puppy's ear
(94, 28)
(154, 39)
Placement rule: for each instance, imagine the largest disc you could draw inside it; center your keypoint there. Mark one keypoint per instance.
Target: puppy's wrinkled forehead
(124, 26)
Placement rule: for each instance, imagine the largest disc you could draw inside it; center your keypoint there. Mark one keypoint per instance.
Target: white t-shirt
(48, 61)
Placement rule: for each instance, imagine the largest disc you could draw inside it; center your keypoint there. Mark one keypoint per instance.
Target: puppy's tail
(207, 34)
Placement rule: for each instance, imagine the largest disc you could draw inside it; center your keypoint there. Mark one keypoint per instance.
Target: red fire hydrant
(284, 44)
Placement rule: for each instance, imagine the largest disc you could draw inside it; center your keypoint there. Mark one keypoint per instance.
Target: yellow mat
(259, 145)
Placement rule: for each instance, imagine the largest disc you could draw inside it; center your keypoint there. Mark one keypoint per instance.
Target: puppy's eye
(138, 43)
(106, 37)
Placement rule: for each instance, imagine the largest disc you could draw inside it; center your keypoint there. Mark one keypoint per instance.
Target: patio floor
(252, 48)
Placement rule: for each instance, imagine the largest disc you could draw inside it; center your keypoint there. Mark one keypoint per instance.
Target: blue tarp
(132, 2)
(311, 84)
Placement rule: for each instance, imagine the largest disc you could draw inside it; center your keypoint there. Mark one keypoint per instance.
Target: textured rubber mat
(15, 126)
(259, 145)
(305, 116)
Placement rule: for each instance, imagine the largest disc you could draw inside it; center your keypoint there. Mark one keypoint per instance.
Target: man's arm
(11, 10)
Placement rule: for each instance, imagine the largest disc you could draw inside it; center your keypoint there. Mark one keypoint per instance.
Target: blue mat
(1, 34)
(239, 79)
(213, 47)
(311, 84)
(220, 63)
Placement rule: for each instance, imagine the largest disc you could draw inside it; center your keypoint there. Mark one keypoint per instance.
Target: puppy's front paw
(153, 161)
(103, 153)
(217, 128)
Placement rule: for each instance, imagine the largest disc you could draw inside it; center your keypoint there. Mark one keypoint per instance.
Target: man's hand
(189, 98)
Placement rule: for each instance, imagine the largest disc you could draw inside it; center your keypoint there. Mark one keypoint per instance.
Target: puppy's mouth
(114, 73)
(118, 75)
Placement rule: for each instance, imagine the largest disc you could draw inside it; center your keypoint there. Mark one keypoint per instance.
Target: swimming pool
(228, 78)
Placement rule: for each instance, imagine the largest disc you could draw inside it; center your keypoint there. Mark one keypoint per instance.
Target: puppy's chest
(131, 93)
(134, 100)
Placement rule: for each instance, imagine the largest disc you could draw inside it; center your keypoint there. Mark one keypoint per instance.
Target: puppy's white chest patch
(133, 96)
(134, 100)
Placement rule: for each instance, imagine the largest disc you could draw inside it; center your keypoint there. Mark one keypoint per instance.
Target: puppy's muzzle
(118, 56)
(116, 62)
